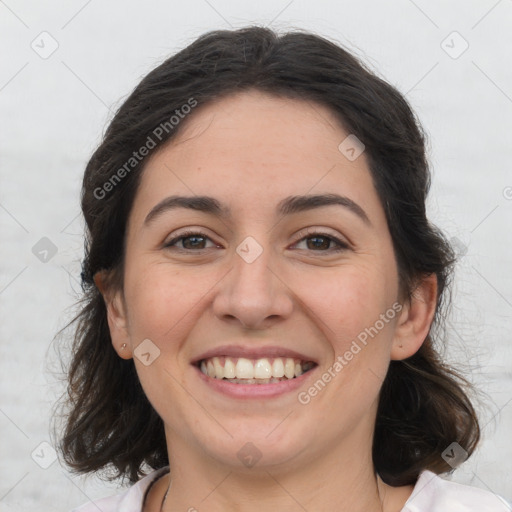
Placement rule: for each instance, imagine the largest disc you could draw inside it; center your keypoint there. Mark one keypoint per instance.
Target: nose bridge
(252, 292)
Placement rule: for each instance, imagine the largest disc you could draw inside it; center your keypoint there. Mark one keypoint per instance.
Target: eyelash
(342, 246)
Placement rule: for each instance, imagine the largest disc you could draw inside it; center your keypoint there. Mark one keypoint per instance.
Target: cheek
(349, 300)
(161, 301)
(355, 306)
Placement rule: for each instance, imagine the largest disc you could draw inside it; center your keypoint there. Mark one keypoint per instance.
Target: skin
(250, 151)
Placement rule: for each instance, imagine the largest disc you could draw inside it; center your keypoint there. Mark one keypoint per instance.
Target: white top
(431, 494)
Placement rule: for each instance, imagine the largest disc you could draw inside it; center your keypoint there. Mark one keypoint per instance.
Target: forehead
(252, 149)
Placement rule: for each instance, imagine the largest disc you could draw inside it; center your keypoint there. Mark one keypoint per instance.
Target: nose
(253, 294)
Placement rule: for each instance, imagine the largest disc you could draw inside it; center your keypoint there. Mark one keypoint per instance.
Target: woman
(262, 289)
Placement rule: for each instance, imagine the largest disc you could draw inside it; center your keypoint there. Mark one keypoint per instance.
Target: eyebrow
(288, 206)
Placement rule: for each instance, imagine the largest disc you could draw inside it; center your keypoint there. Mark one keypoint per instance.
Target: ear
(415, 319)
(116, 316)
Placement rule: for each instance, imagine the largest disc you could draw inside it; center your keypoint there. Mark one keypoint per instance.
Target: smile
(266, 370)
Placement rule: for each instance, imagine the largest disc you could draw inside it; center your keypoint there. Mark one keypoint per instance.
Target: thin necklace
(165, 496)
(376, 481)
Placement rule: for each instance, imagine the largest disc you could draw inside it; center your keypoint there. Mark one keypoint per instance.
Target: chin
(255, 447)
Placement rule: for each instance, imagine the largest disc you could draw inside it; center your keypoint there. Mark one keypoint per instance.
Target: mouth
(264, 370)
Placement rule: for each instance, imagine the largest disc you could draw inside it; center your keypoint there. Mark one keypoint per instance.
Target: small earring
(123, 346)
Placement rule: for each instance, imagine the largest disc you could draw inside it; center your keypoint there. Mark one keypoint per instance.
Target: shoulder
(435, 494)
(131, 500)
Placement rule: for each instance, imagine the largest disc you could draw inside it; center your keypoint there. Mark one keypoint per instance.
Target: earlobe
(415, 319)
(116, 317)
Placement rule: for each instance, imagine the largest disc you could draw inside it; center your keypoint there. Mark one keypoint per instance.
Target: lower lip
(255, 390)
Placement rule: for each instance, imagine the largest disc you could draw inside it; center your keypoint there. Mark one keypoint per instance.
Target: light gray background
(54, 110)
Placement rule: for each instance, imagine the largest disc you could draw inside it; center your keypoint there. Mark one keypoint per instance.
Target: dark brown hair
(423, 405)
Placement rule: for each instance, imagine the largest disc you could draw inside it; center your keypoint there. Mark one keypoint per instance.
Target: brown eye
(321, 242)
(191, 240)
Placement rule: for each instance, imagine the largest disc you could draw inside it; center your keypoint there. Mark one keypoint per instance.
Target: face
(265, 279)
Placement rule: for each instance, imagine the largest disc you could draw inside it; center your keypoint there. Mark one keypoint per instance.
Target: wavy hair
(423, 403)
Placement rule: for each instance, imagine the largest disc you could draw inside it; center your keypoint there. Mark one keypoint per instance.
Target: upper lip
(252, 353)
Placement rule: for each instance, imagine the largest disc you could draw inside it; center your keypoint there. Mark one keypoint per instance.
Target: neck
(345, 482)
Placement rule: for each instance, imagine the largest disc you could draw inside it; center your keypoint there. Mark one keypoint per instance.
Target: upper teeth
(242, 368)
